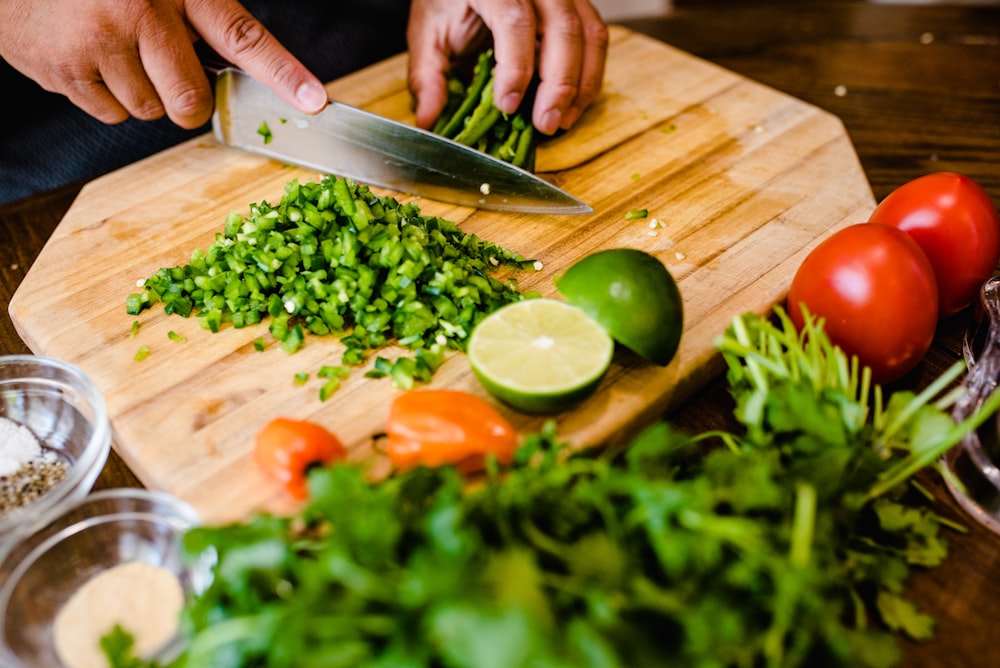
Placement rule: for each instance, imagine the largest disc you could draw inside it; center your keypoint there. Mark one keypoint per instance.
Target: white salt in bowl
(66, 413)
(108, 529)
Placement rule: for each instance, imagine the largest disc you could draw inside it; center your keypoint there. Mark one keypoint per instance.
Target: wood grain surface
(745, 179)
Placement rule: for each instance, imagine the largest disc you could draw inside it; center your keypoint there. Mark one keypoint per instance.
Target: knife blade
(350, 142)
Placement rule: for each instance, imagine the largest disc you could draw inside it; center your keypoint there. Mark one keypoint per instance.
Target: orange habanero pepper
(433, 427)
(286, 449)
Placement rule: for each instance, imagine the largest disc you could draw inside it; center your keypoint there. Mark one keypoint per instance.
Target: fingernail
(550, 121)
(509, 103)
(311, 97)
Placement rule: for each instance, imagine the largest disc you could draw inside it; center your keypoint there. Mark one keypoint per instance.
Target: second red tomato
(875, 289)
(953, 220)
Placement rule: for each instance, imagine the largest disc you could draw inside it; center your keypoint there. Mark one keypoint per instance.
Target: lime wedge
(633, 295)
(540, 356)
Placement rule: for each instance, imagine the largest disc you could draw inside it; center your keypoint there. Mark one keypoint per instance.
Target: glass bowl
(66, 414)
(973, 466)
(107, 529)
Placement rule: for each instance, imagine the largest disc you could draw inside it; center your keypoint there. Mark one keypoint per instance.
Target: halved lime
(633, 295)
(540, 355)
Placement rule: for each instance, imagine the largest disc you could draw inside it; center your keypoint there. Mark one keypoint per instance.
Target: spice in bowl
(142, 599)
(27, 469)
(105, 579)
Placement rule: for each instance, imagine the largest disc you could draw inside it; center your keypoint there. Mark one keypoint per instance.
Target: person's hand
(568, 37)
(117, 59)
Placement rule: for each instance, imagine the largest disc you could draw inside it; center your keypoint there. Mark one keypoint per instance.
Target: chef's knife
(346, 141)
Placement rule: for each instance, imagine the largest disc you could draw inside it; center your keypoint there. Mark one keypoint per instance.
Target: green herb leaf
(118, 646)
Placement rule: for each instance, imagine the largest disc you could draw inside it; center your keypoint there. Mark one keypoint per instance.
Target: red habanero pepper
(286, 449)
(433, 427)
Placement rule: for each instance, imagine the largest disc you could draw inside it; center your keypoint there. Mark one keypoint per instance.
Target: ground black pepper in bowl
(31, 481)
(27, 469)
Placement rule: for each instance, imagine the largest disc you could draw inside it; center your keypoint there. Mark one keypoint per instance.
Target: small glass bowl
(973, 466)
(107, 528)
(66, 412)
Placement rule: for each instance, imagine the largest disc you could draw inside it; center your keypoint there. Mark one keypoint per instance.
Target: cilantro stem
(541, 540)
(803, 525)
(932, 451)
(947, 401)
(954, 526)
(921, 399)
(727, 439)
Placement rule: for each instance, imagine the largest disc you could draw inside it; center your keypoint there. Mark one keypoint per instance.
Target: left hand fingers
(593, 58)
(573, 43)
(572, 52)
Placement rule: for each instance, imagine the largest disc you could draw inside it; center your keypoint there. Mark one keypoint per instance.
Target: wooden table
(918, 88)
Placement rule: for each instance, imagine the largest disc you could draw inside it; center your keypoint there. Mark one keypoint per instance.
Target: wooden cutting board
(746, 180)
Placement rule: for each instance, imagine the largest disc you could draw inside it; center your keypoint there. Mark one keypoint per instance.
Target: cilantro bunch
(787, 544)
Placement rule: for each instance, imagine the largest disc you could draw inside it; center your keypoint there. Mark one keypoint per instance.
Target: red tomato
(435, 427)
(875, 290)
(286, 449)
(956, 225)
